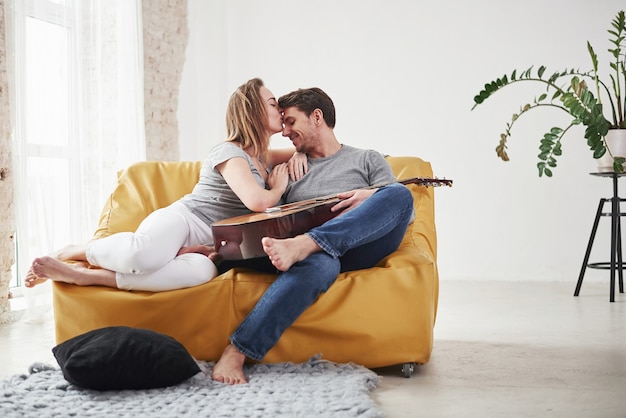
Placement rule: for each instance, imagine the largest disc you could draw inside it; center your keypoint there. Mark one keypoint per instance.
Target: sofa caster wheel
(407, 369)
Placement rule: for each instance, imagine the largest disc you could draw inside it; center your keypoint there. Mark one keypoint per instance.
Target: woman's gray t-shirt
(212, 199)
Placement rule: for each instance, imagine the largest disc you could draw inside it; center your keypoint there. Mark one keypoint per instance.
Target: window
(78, 105)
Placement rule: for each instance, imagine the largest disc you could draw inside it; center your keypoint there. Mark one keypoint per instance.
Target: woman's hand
(279, 177)
(297, 166)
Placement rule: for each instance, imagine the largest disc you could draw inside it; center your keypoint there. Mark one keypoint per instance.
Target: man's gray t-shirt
(212, 199)
(349, 168)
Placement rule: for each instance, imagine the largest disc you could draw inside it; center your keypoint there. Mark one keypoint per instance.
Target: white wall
(403, 75)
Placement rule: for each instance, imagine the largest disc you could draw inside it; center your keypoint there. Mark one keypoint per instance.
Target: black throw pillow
(115, 358)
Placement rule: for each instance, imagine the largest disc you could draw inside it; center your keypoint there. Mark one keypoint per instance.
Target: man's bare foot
(229, 368)
(284, 253)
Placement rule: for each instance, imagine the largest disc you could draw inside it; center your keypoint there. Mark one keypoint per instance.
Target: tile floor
(502, 349)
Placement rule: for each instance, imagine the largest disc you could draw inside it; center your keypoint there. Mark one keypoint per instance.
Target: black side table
(616, 238)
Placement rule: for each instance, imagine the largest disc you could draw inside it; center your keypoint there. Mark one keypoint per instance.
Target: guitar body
(239, 238)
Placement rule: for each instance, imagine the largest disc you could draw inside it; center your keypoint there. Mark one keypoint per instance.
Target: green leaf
(540, 71)
(541, 167)
(598, 153)
(594, 57)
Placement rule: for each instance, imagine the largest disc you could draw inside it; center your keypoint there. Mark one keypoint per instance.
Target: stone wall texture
(165, 37)
(7, 214)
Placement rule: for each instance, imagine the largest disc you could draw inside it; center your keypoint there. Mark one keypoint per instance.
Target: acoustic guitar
(239, 238)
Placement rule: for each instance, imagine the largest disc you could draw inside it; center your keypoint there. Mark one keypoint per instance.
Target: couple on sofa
(171, 243)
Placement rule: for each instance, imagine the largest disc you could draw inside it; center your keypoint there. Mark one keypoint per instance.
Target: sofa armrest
(422, 230)
(143, 188)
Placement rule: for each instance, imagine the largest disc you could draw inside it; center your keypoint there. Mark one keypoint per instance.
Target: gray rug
(317, 388)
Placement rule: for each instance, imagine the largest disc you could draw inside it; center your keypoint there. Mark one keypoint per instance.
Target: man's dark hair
(307, 100)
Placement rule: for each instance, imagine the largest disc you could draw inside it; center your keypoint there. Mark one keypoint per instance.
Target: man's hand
(202, 249)
(297, 166)
(352, 199)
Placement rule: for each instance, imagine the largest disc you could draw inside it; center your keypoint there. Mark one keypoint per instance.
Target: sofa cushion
(119, 357)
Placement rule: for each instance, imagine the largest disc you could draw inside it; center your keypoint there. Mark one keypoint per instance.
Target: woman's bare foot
(75, 273)
(32, 280)
(229, 368)
(206, 250)
(67, 253)
(284, 253)
(72, 252)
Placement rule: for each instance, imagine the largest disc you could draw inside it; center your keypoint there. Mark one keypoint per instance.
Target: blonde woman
(172, 247)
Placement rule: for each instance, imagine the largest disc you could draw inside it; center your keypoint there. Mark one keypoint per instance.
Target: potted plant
(583, 95)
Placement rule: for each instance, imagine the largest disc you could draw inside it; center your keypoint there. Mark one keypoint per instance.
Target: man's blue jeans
(357, 239)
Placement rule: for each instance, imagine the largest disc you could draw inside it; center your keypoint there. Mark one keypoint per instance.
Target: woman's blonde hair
(246, 118)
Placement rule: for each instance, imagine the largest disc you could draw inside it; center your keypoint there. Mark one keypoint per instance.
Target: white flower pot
(616, 143)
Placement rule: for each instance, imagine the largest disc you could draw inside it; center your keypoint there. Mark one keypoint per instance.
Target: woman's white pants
(147, 258)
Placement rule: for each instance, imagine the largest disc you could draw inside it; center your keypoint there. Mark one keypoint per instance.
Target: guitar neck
(421, 181)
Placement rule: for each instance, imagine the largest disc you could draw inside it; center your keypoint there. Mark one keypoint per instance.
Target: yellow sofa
(377, 317)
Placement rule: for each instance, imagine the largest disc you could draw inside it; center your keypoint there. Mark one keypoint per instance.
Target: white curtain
(75, 75)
